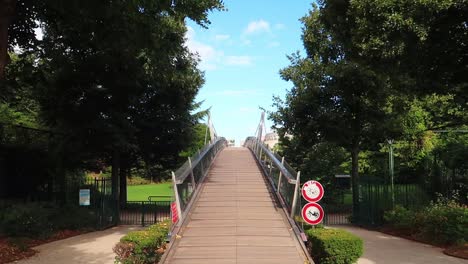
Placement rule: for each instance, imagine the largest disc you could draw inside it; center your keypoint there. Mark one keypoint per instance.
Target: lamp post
(390, 169)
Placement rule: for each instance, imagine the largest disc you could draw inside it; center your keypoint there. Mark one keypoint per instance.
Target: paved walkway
(90, 248)
(235, 220)
(382, 249)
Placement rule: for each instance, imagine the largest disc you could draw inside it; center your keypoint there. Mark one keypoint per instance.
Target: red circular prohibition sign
(312, 213)
(312, 191)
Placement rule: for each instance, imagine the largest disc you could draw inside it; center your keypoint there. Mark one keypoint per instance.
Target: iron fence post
(296, 191)
(142, 208)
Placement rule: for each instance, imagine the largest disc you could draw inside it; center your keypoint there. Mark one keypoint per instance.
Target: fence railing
(283, 178)
(144, 212)
(188, 177)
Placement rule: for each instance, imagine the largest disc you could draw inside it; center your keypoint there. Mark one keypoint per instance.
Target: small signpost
(312, 213)
(174, 213)
(85, 197)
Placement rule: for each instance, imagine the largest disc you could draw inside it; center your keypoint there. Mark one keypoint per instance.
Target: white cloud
(238, 60)
(209, 56)
(222, 37)
(280, 26)
(273, 44)
(257, 27)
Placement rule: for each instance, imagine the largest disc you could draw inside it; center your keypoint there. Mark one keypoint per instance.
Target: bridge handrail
(284, 167)
(285, 180)
(184, 171)
(186, 180)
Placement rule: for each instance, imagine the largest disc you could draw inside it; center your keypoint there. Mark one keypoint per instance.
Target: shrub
(442, 222)
(27, 220)
(136, 180)
(400, 217)
(40, 220)
(334, 246)
(74, 217)
(445, 222)
(142, 247)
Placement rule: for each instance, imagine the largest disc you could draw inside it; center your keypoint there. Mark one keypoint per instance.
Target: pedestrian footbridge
(236, 205)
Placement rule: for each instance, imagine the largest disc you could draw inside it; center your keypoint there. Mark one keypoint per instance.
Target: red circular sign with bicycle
(312, 213)
(312, 191)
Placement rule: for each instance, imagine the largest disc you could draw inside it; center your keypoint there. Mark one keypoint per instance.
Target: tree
(115, 77)
(121, 83)
(335, 97)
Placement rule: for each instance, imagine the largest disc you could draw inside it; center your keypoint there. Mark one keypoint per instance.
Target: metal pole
(191, 173)
(391, 170)
(296, 191)
(177, 198)
(280, 175)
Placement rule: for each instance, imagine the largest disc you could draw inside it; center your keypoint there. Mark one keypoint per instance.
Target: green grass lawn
(141, 192)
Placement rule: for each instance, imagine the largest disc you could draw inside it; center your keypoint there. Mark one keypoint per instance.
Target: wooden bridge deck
(235, 219)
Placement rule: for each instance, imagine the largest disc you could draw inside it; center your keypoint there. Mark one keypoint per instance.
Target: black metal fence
(375, 198)
(144, 212)
(101, 201)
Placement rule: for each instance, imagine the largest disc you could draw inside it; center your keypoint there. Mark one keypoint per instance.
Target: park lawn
(141, 192)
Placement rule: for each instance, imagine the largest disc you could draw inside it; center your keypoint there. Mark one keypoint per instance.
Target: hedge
(142, 247)
(444, 222)
(40, 220)
(334, 246)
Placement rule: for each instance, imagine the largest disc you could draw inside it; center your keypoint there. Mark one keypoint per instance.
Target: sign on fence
(85, 197)
(312, 213)
(174, 213)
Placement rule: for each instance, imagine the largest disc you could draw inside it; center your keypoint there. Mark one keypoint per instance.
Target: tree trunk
(6, 15)
(115, 176)
(355, 178)
(123, 180)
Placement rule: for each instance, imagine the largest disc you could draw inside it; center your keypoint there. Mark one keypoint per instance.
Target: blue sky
(241, 54)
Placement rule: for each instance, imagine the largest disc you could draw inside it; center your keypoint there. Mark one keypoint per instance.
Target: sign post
(312, 213)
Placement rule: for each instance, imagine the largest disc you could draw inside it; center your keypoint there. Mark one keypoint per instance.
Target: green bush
(142, 247)
(40, 220)
(334, 246)
(445, 222)
(400, 217)
(27, 220)
(442, 222)
(136, 180)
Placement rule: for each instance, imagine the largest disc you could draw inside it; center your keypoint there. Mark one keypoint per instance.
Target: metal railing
(144, 212)
(188, 177)
(283, 178)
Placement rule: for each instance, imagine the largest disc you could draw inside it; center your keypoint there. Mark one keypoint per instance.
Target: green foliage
(442, 222)
(445, 222)
(136, 180)
(142, 247)
(400, 217)
(334, 246)
(40, 220)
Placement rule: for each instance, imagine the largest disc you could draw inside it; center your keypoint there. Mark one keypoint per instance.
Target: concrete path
(90, 248)
(235, 220)
(382, 249)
